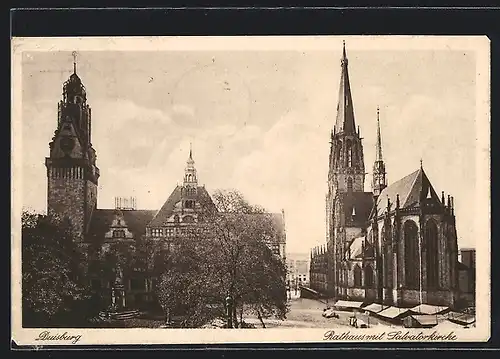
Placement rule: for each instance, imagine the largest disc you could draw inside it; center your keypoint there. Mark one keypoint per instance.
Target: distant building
(297, 269)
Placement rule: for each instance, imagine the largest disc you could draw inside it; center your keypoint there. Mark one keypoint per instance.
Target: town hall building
(73, 178)
(395, 245)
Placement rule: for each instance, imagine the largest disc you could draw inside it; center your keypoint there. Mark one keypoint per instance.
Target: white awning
(374, 308)
(393, 312)
(348, 304)
(429, 309)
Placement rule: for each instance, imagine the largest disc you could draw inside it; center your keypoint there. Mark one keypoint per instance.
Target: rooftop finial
(190, 150)
(421, 164)
(74, 61)
(344, 55)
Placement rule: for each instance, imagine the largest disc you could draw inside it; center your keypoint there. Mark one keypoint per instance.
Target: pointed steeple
(190, 176)
(379, 174)
(378, 153)
(345, 111)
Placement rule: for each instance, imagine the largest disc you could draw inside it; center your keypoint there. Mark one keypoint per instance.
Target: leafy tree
(226, 255)
(53, 270)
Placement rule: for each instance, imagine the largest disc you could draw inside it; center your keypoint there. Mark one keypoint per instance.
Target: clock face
(67, 144)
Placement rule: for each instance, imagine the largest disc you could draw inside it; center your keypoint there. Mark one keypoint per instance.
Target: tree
(53, 270)
(254, 276)
(227, 254)
(184, 286)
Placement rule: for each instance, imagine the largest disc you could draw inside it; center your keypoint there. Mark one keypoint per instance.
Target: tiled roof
(102, 219)
(167, 209)
(410, 188)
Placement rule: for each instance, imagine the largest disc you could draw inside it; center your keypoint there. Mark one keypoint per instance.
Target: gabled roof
(202, 197)
(102, 219)
(412, 189)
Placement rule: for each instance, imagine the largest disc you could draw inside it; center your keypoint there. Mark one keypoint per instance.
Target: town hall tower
(71, 166)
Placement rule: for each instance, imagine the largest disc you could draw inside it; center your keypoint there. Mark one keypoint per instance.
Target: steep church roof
(412, 189)
(136, 221)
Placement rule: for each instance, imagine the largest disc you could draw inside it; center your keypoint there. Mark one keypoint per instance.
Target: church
(396, 245)
(73, 178)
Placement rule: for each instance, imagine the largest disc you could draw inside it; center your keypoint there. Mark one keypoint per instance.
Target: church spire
(378, 154)
(345, 111)
(379, 174)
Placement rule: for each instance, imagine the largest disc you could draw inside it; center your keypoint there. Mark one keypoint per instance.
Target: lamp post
(229, 309)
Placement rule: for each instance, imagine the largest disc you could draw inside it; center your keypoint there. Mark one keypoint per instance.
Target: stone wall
(66, 197)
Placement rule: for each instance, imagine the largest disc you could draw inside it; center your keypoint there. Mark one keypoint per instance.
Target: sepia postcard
(274, 189)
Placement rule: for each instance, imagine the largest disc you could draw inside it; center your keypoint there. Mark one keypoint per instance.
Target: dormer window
(189, 204)
(118, 233)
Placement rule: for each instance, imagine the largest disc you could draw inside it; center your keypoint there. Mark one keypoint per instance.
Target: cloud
(288, 172)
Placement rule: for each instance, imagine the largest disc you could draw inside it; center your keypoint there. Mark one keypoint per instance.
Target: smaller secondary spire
(74, 62)
(379, 138)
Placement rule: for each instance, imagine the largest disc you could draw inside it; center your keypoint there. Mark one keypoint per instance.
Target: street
(307, 313)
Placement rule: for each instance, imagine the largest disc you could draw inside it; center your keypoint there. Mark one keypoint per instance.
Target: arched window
(410, 233)
(368, 276)
(431, 241)
(349, 184)
(337, 152)
(357, 276)
(349, 153)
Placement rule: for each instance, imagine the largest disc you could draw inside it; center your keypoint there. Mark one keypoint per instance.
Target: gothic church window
(349, 184)
(357, 276)
(349, 153)
(431, 239)
(410, 234)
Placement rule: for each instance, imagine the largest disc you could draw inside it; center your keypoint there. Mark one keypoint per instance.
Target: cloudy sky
(259, 121)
